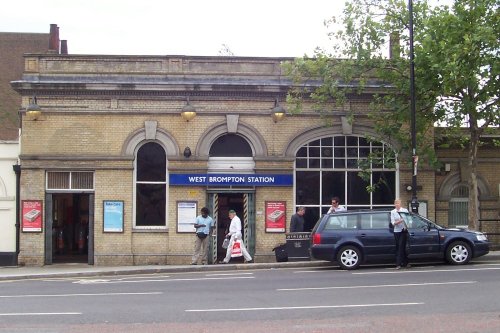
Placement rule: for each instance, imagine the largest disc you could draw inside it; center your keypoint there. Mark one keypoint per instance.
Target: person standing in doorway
(203, 225)
(297, 220)
(336, 207)
(400, 234)
(233, 235)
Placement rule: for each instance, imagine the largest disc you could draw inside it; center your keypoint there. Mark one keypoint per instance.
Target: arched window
(150, 186)
(458, 206)
(330, 166)
(230, 145)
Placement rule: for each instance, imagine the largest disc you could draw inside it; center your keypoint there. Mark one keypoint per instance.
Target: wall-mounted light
(188, 111)
(33, 110)
(278, 112)
(187, 152)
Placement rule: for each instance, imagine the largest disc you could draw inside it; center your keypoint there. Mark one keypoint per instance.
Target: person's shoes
(193, 263)
(408, 266)
(222, 262)
(249, 261)
(398, 267)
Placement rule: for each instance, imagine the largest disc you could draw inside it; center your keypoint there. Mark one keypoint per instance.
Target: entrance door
(68, 228)
(222, 203)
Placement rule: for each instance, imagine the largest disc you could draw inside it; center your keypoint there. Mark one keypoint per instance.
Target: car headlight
(481, 237)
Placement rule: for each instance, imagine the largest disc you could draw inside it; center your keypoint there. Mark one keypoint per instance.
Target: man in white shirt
(336, 207)
(234, 234)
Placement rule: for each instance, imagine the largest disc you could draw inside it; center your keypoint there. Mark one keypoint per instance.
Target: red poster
(275, 216)
(32, 215)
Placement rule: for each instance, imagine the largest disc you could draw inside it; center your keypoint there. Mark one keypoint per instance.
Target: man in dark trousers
(297, 220)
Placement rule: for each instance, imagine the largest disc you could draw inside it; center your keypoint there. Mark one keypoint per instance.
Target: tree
(456, 71)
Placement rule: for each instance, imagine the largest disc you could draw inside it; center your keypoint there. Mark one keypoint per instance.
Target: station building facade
(127, 149)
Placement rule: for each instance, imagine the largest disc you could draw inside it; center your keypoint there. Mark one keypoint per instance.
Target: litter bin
(298, 245)
(280, 252)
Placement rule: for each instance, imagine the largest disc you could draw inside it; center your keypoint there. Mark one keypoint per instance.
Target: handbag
(236, 250)
(225, 243)
(201, 235)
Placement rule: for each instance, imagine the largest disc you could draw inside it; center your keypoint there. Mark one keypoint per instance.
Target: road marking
(40, 314)
(428, 271)
(228, 274)
(163, 280)
(381, 286)
(78, 295)
(305, 307)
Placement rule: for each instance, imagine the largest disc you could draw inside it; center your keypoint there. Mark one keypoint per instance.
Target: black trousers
(401, 255)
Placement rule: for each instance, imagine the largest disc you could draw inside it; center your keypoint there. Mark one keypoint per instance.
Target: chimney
(54, 38)
(64, 46)
(394, 47)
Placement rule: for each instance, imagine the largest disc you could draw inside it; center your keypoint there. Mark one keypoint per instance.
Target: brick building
(13, 46)
(129, 148)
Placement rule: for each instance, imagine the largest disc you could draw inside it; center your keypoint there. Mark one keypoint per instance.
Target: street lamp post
(414, 200)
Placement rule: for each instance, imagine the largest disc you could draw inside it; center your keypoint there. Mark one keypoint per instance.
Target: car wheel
(458, 253)
(349, 257)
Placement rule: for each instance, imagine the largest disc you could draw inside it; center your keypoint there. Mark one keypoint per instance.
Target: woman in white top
(400, 234)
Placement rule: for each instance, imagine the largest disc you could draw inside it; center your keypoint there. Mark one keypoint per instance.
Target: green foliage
(456, 68)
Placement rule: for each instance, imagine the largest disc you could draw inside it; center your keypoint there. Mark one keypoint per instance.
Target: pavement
(83, 270)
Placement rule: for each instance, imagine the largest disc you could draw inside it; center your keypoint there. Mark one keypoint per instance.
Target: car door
(376, 236)
(423, 237)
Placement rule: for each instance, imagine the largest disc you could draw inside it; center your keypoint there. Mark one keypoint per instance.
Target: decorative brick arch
(256, 141)
(453, 180)
(150, 133)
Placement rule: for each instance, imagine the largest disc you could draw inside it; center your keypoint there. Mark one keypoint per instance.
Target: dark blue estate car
(354, 237)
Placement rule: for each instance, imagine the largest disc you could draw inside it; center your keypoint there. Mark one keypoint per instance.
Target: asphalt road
(425, 298)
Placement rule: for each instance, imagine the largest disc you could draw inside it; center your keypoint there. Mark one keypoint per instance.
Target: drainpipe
(17, 170)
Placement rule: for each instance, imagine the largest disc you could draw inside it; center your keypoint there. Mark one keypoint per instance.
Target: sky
(259, 28)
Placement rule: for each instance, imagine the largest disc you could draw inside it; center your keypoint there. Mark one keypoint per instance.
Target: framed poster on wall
(113, 215)
(186, 216)
(32, 213)
(275, 216)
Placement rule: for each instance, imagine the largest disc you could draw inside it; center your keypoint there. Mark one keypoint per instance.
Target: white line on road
(40, 314)
(380, 286)
(228, 274)
(78, 295)
(304, 307)
(163, 280)
(405, 271)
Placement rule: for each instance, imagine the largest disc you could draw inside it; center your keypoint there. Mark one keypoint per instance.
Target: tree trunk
(473, 214)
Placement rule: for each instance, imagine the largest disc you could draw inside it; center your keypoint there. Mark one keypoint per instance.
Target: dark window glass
(302, 152)
(314, 163)
(327, 163)
(363, 142)
(314, 143)
(301, 163)
(230, 145)
(313, 152)
(150, 204)
(339, 152)
(352, 152)
(339, 140)
(307, 186)
(352, 163)
(385, 191)
(357, 193)
(339, 163)
(364, 152)
(151, 163)
(352, 141)
(326, 152)
(327, 141)
(333, 185)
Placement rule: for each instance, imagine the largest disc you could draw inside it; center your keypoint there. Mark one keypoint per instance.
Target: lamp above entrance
(188, 111)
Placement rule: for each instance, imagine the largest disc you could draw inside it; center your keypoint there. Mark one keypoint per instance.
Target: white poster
(186, 216)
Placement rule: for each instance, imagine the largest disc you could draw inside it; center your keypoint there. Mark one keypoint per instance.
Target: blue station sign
(219, 179)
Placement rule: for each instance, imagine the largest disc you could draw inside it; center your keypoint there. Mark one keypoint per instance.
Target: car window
(375, 221)
(415, 221)
(341, 222)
